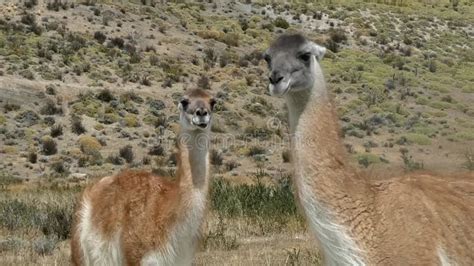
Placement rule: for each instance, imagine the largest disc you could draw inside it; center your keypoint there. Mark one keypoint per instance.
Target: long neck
(193, 163)
(330, 192)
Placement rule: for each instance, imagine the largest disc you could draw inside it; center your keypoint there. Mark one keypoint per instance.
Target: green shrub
(231, 39)
(419, 139)
(367, 159)
(281, 23)
(131, 120)
(15, 214)
(89, 145)
(52, 218)
(409, 163)
(464, 135)
(105, 95)
(469, 159)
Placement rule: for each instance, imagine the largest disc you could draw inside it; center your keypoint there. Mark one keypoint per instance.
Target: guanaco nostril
(201, 112)
(275, 78)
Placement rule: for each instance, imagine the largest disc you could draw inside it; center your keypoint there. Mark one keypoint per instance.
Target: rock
(78, 176)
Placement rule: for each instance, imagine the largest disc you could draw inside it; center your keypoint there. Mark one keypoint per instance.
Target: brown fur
(416, 219)
(129, 201)
(400, 221)
(143, 208)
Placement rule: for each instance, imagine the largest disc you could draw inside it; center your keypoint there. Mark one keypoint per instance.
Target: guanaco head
(291, 59)
(196, 108)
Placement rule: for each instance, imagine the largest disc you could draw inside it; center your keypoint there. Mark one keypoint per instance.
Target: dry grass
(36, 217)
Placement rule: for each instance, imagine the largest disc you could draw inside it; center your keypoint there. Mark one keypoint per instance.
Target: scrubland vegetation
(90, 87)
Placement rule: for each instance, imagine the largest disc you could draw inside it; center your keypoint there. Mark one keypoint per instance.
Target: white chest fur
(337, 246)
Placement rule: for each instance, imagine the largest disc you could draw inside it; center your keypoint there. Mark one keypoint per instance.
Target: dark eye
(184, 103)
(212, 102)
(305, 57)
(267, 58)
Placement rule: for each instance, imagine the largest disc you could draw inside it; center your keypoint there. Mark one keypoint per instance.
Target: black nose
(275, 77)
(201, 112)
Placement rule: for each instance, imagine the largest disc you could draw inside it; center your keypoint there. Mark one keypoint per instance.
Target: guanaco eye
(212, 102)
(305, 57)
(184, 103)
(267, 59)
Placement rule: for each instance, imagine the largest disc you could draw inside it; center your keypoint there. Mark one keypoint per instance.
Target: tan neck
(193, 163)
(314, 128)
(330, 192)
(296, 102)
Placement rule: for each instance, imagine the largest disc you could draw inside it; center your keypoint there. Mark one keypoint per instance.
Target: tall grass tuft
(254, 200)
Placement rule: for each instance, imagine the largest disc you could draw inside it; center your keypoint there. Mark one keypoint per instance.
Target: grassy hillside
(90, 87)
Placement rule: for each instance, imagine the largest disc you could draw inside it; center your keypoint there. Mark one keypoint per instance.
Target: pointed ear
(318, 51)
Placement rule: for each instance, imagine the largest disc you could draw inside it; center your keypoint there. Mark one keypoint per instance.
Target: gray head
(291, 59)
(196, 108)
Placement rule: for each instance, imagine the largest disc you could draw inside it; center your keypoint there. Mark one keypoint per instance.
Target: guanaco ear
(183, 104)
(317, 50)
(212, 103)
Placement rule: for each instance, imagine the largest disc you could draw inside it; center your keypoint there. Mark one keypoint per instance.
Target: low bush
(50, 108)
(56, 130)
(115, 160)
(281, 23)
(52, 218)
(256, 150)
(105, 95)
(285, 155)
(126, 153)
(89, 145)
(48, 146)
(216, 158)
(156, 150)
(409, 163)
(76, 125)
(32, 157)
(100, 37)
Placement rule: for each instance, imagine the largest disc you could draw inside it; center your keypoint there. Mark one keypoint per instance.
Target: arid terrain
(90, 87)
